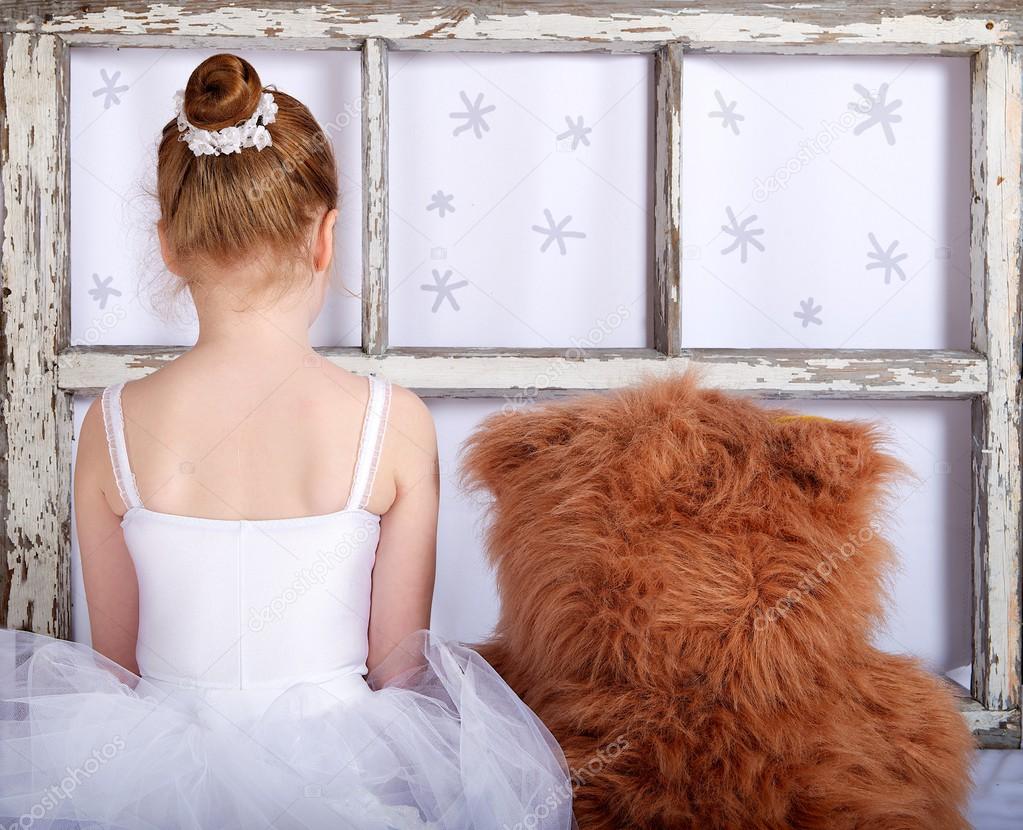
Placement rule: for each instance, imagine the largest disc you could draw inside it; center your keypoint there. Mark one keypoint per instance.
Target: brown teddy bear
(689, 588)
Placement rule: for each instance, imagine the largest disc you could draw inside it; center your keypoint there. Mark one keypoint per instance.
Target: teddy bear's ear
(832, 458)
(506, 442)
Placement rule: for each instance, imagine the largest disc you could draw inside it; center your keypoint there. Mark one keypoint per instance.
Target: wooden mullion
(36, 421)
(996, 261)
(374, 197)
(668, 199)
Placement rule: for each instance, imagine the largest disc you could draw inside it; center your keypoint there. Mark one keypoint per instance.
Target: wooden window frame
(41, 371)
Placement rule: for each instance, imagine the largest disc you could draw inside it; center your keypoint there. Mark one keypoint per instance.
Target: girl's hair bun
(221, 91)
(246, 205)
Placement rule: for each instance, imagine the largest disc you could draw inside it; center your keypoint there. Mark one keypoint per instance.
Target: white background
(509, 292)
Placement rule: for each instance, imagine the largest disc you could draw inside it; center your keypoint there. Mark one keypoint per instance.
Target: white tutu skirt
(442, 743)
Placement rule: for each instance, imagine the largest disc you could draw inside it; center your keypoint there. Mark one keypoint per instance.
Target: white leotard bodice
(254, 604)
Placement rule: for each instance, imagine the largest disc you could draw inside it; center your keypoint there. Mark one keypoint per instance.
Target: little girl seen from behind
(257, 528)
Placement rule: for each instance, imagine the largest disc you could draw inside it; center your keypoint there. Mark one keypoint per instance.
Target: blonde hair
(223, 209)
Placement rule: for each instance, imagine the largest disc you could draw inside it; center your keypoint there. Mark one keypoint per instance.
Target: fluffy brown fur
(689, 585)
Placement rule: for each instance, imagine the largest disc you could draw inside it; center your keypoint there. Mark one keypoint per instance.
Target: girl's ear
(323, 241)
(166, 251)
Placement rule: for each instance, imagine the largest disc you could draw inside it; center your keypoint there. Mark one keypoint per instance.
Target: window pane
(520, 200)
(826, 202)
(120, 101)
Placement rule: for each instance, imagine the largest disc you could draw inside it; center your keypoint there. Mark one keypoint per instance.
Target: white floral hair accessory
(250, 133)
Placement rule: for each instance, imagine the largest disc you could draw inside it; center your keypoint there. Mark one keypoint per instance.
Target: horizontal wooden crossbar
(788, 373)
(909, 25)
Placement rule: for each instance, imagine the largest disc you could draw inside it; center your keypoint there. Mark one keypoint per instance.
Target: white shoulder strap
(371, 443)
(113, 422)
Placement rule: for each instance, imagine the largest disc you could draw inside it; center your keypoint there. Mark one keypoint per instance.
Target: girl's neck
(231, 323)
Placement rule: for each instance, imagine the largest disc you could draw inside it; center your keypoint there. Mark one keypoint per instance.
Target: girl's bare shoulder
(411, 421)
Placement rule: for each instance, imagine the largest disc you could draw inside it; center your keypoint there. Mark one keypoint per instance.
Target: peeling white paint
(374, 196)
(996, 260)
(37, 504)
(668, 199)
(801, 25)
(865, 375)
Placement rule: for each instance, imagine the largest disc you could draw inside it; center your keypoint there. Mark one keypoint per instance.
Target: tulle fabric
(440, 742)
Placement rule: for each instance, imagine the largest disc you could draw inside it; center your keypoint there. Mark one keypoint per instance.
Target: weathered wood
(35, 504)
(230, 43)
(525, 45)
(374, 196)
(218, 42)
(888, 374)
(993, 729)
(826, 26)
(668, 199)
(995, 265)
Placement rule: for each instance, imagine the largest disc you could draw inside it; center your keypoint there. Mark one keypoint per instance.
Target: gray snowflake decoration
(555, 232)
(729, 117)
(110, 90)
(103, 291)
(885, 258)
(444, 288)
(808, 312)
(879, 111)
(743, 234)
(441, 202)
(474, 116)
(576, 131)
